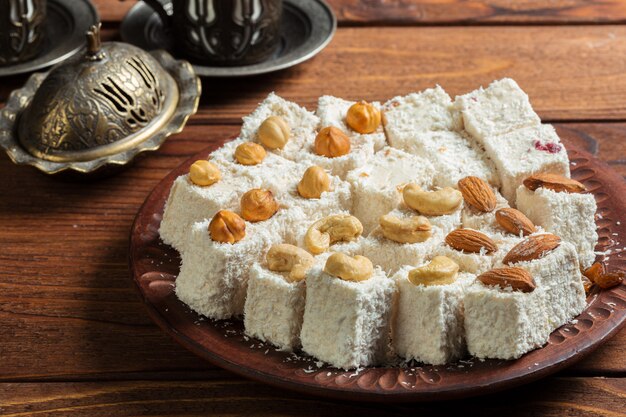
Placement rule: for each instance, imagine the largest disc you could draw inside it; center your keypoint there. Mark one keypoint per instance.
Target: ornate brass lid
(104, 105)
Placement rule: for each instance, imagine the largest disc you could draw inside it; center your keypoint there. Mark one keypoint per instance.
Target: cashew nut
(289, 258)
(440, 271)
(432, 203)
(409, 230)
(330, 230)
(348, 268)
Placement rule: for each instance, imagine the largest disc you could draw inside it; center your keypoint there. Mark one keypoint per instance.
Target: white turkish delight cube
(377, 186)
(571, 216)
(303, 124)
(452, 154)
(347, 324)
(391, 255)
(523, 152)
(558, 274)
(426, 111)
(338, 198)
(500, 108)
(503, 323)
(428, 322)
(213, 276)
(274, 308)
(332, 111)
(188, 203)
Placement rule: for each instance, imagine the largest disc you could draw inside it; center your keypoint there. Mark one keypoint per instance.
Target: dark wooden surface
(459, 12)
(74, 338)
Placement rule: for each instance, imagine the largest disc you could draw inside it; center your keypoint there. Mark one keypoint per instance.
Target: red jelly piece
(553, 147)
(549, 147)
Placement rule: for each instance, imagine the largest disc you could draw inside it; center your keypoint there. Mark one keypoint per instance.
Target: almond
(609, 280)
(594, 271)
(514, 221)
(517, 278)
(478, 194)
(531, 248)
(468, 240)
(554, 182)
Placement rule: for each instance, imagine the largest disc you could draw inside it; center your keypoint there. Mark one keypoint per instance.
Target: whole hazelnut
(274, 132)
(363, 117)
(204, 173)
(250, 153)
(258, 204)
(332, 142)
(314, 182)
(227, 227)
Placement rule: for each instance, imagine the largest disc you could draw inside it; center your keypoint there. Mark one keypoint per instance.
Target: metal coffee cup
(223, 32)
(22, 29)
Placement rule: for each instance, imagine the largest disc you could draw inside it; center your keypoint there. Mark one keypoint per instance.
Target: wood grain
(384, 12)
(67, 307)
(74, 338)
(557, 66)
(554, 397)
(394, 12)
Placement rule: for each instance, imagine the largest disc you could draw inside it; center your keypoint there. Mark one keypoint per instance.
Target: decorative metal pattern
(137, 109)
(97, 98)
(21, 29)
(64, 35)
(228, 31)
(307, 26)
(155, 266)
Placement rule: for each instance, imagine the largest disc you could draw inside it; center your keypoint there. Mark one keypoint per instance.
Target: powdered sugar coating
(347, 324)
(435, 144)
(500, 108)
(428, 324)
(569, 216)
(377, 186)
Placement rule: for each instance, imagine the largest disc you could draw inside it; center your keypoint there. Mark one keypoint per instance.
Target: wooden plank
(553, 397)
(393, 12)
(570, 73)
(66, 302)
(477, 12)
(67, 307)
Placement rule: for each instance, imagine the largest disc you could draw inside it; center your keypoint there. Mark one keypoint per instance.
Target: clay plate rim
(154, 266)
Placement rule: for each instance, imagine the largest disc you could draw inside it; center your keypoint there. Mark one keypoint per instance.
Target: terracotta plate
(154, 267)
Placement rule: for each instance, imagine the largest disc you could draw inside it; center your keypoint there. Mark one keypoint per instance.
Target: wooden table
(76, 341)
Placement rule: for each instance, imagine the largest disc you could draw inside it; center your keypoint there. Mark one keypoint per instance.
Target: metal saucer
(66, 24)
(307, 27)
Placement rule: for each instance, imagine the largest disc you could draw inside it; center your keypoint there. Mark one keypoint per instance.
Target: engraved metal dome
(103, 101)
